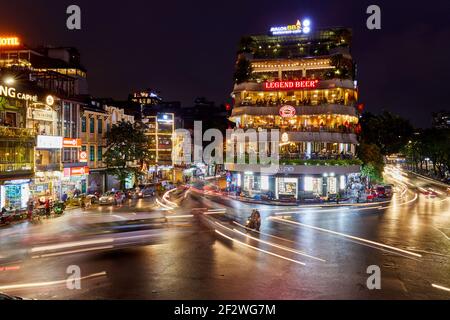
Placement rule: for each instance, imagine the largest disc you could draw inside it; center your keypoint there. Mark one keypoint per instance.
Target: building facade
(301, 82)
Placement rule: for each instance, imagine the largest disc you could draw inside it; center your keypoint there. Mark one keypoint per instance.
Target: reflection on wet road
(190, 245)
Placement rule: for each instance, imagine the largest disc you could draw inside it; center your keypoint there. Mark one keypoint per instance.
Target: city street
(190, 245)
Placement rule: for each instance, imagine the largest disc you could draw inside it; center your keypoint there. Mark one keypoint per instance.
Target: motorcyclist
(254, 221)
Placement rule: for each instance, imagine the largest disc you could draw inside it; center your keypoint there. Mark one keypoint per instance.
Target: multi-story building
(97, 119)
(301, 82)
(56, 120)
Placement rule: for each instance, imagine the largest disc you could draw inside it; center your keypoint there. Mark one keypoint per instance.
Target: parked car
(108, 198)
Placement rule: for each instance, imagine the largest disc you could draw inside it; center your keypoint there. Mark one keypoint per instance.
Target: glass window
(92, 153)
(100, 125)
(100, 153)
(83, 124)
(91, 125)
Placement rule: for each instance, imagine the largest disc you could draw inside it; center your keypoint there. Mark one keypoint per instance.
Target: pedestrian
(47, 207)
(64, 197)
(30, 208)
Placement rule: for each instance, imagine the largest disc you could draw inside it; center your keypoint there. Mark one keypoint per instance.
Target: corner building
(303, 83)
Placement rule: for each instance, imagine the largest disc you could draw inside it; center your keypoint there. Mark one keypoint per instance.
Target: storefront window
(313, 185)
(287, 187)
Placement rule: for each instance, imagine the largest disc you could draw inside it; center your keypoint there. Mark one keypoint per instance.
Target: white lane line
(434, 286)
(258, 249)
(265, 234)
(72, 252)
(180, 216)
(349, 236)
(49, 283)
(279, 246)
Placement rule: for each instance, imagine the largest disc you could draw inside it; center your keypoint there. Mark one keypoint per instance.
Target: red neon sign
(286, 85)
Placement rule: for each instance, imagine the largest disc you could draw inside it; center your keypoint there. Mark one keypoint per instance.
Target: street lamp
(9, 80)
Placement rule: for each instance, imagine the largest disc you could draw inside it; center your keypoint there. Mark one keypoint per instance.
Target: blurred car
(381, 192)
(108, 198)
(389, 190)
(145, 192)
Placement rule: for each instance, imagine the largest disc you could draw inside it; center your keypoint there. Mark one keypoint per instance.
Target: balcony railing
(13, 168)
(290, 128)
(17, 133)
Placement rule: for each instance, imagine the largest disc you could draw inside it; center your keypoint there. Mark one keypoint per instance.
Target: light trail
(434, 286)
(278, 246)
(350, 237)
(71, 245)
(258, 249)
(49, 283)
(47, 255)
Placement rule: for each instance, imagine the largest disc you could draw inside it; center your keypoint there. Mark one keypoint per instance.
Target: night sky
(188, 48)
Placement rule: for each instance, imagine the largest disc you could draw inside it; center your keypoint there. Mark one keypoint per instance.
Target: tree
(243, 70)
(388, 131)
(127, 146)
(373, 162)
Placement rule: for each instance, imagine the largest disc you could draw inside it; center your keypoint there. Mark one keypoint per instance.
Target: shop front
(75, 180)
(47, 184)
(15, 194)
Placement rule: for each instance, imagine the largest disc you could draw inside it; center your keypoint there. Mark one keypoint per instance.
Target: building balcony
(323, 84)
(49, 167)
(16, 170)
(322, 109)
(13, 133)
(306, 167)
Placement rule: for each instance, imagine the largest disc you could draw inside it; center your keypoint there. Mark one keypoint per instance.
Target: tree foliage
(127, 149)
(243, 70)
(388, 131)
(431, 145)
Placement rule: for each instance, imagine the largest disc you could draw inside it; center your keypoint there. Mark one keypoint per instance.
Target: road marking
(278, 246)
(349, 236)
(49, 283)
(442, 233)
(258, 249)
(434, 286)
(119, 217)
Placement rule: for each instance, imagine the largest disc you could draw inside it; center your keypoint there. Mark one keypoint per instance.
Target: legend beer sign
(291, 85)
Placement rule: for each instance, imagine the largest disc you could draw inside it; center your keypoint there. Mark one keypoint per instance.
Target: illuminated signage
(287, 111)
(299, 27)
(71, 143)
(49, 142)
(9, 42)
(285, 138)
(83, 156)
(76, 171)
(11, 92)
(50, 100)
(291, 85)
(40, 114)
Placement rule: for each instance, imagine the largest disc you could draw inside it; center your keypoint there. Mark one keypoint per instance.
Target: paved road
(191, 249)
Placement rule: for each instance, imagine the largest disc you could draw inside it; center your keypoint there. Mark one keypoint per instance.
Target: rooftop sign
(9, 42)
(298, 28)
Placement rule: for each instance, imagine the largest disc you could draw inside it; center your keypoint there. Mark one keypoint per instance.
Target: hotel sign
(298, 28)
(11, 92)
(9, 42)
(291, 85)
